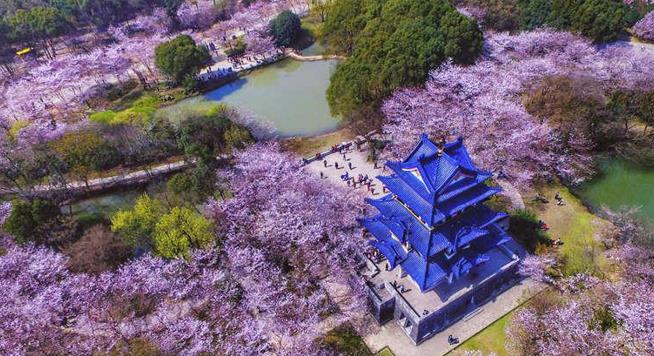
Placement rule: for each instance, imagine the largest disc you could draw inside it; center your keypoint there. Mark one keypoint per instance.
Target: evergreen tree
(181, 58)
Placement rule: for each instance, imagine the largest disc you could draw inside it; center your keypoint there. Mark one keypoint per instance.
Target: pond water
(106, 204)
(290, 94)
(622, 184)
(314, 50)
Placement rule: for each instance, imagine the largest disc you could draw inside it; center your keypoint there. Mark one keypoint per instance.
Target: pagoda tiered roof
(432, 223)
(438, 183)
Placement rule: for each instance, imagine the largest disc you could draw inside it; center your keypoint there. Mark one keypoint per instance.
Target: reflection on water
(107, 204)
(314, 50)
(622, 184)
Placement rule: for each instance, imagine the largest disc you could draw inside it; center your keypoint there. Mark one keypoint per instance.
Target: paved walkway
(124, 179)
(358, 159)
(100, 184)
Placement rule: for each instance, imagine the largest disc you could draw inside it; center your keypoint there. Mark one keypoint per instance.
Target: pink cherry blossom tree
(535, 267)
(644, 28)
(284, 273)
(259, 43)
(284, 233)
(5, 211)
(182, 307)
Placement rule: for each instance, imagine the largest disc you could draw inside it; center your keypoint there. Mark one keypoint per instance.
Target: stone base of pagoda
(422, 315)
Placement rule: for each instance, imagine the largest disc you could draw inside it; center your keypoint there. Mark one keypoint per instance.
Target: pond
(106, 204)
(290, 94)
(622, 184)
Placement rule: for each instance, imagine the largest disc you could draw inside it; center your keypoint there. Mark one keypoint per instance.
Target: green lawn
(345, 341)
(488, 340)
(386, 351)
(582, 250)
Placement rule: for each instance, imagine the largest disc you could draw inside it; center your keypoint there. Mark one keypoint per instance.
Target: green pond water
(290, 94)
(622, 184)
(107, 204)
(314, 50)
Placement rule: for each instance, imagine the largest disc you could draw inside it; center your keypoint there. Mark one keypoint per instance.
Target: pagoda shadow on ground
(437, 253)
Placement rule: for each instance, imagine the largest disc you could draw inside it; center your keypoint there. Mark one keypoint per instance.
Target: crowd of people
(349, 177)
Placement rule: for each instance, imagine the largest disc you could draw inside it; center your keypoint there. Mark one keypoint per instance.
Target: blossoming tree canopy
(644, 28)
(483, 102)
(283, 230)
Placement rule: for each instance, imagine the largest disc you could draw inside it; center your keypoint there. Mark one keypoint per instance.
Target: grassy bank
(490, 340)
(579, 230)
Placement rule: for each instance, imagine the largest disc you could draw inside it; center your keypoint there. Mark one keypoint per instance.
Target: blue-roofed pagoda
(434, 227)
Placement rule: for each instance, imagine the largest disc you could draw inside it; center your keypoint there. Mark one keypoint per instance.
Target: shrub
(28, 219)
(344, 340)
(15, 128)
(180, 58)
(238, 49)
(103, 117)
(205, 137)
(600, 20)
(85, 152)
(136, 225)
(179, 231)
(140, 113)
(525, 228)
